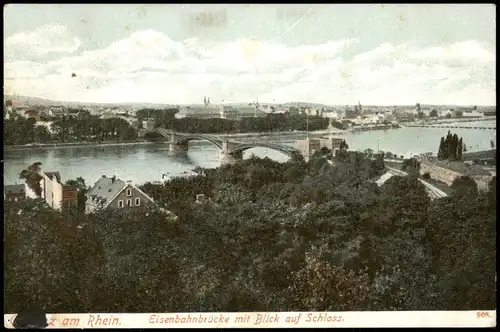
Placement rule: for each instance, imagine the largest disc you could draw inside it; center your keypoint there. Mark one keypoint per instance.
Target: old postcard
(249, 165)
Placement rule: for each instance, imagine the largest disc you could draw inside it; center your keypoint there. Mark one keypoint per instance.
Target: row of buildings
(107, 193)
(356, 115)
(53, 191)
(47, 115)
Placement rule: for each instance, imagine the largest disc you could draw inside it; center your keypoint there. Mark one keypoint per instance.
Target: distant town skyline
(327, 54)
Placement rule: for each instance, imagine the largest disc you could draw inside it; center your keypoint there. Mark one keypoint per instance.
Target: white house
(52, 191)
(371, 119)
(473, 114)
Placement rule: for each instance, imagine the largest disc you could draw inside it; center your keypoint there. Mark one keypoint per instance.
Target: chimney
(113, 179)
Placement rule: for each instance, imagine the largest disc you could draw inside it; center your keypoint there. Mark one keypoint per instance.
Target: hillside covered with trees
(275, 237)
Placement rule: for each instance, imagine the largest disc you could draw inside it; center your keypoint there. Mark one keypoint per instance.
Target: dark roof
(105, 189)
(15, 189)
(51, 175)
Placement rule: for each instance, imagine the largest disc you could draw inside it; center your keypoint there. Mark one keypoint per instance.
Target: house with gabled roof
(113, 193)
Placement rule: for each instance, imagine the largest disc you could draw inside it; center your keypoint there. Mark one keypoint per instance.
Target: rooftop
(51, 175)
(105, 189)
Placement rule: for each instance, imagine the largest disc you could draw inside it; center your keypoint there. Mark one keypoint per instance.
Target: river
(143, 163)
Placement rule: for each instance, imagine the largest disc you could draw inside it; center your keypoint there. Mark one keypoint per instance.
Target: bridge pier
(229, 158)
(174, 147)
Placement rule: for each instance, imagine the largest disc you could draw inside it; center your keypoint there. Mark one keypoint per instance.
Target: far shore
(71, 145)
(297, 133)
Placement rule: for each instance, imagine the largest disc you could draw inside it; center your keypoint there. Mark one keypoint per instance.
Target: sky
(335, 54)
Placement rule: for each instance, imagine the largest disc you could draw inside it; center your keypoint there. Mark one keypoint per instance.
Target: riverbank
(373, 127)
(280, 134)
(70, 145)
(452, 120)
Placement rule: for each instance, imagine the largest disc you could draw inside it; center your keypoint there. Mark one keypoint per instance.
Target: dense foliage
(275, 236)
(451, 147)
(271, 122)
(18, 130)
(411, 166)
(32, 177)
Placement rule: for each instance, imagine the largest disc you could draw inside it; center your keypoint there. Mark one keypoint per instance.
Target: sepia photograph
(258, 165)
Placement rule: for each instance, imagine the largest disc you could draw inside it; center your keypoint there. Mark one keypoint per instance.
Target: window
(137, 201)
(120, 204)
(15, 199)
(129, 192)
(129, 202)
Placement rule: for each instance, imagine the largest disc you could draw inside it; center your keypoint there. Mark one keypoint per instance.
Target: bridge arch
(185, 139)
(181, 138)
(289, 151)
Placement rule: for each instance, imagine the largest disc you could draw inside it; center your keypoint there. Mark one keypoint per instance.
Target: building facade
(308, 147)
(113, 193)
(51, 189)
(15, 192)
(69, 196)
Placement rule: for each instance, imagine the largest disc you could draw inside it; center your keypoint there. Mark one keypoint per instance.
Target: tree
(42, 135)
(442, 149)
(451, 147)
(492, 185)
(460, 145)
(389, 155)
(492, 144)
(230, 194)
(433, 113)
(378, 165)
(411, 166)
(32, 177)
(464, 186)
(79, 184)
(426, 176)
(321, 286)
(369, 152)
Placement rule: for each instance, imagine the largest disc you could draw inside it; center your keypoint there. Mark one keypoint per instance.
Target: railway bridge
(231, 150)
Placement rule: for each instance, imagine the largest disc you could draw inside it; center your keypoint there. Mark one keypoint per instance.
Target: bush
(426, 176)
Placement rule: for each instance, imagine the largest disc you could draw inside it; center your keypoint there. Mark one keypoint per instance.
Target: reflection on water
(143, 163)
